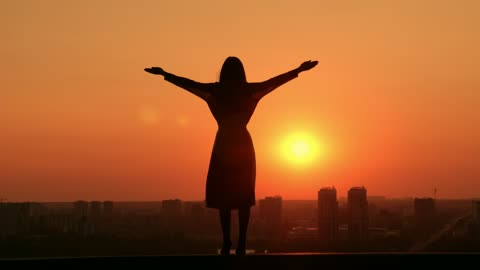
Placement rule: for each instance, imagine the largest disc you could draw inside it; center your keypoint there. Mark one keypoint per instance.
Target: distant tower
(80, 208)
(424, 213)
(172, 208)
(327, 214)
(195, 218)
(173, 216)
(424, 208)
(357, 213)
(271, 214)
(476, 211)
(197, 211)
(108, 208)
(95, 208)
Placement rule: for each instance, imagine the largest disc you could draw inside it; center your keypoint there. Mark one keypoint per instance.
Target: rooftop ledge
(261, 261)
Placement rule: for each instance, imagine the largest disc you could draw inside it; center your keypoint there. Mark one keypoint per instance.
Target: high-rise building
(476, 211)
(108, 208)
(271, 216)
(80, 208)
(327, 214)
(172, 208)
(172, 214)
(424, 214)
(95, 208)
(17, 217)
(195, 221)
(357, 213)
(60, 222)
(197, 210)
(474, 226)
(423, 208)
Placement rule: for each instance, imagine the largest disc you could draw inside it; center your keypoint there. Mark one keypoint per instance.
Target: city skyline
(392, 104)
(341, 196)
(278, 226)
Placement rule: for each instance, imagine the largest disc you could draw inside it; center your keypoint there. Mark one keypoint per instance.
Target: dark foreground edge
(454, 261)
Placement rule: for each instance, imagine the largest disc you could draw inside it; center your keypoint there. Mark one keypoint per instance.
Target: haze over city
(392, 105)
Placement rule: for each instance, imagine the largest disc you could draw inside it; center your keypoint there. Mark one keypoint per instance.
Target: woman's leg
(225, 222)
(243, 218)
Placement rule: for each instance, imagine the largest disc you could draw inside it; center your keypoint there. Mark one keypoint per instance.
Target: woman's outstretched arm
(263, 88)
(201, 90)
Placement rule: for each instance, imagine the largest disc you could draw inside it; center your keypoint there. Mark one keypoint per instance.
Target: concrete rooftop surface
(261, 261)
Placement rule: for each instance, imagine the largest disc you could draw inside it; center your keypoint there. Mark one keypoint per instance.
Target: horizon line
(202, 200)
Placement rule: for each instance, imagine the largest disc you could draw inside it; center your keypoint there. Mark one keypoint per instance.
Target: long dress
(232, 170)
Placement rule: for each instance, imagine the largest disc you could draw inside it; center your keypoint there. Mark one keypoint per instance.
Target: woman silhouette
(231, 175)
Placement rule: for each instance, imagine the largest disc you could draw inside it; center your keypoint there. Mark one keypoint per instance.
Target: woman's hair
(232, 71)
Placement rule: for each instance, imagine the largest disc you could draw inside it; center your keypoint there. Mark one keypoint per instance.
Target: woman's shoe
(226, 248)
(241, 250)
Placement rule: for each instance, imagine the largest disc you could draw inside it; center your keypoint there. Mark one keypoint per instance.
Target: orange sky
(395, 97)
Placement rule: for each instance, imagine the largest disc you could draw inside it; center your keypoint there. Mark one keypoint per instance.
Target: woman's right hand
(156, 71)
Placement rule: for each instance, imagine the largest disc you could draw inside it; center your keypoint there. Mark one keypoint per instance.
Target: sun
(301, 148)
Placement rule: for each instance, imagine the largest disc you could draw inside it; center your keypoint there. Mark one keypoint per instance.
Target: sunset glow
(301, 149)
(393, 103)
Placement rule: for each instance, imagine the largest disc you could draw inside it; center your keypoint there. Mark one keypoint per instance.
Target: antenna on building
(435, 193)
